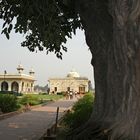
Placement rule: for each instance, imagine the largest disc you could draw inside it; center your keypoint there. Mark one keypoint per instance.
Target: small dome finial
(20, 68)
(73, 74)
(32, 72)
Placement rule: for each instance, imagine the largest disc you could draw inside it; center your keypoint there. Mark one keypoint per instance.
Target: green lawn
(35, 99)
(46, 97)
(10, 102)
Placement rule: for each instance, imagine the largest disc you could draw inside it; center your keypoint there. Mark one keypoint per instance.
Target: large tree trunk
(112, 31)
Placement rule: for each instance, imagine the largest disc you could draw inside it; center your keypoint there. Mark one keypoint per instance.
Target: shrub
(8, 103)
(80, 113)
(43, 93)
(29, 99)
(59, 93)
(11, 92)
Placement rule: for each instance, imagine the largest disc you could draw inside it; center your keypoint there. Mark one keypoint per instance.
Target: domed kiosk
(72, 82)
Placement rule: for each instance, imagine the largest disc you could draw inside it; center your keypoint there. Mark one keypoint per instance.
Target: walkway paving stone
(31, 125)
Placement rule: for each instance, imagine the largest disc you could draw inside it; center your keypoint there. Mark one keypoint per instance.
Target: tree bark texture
(112, 30)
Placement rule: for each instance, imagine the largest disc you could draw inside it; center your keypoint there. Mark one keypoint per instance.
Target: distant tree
(112, 31)
(90, 87)
(41, 88)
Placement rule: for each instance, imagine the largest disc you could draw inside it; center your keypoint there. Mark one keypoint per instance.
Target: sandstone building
(72, 82)
(21, 83)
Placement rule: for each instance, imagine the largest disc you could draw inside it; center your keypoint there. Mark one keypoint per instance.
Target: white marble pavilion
(20, 82)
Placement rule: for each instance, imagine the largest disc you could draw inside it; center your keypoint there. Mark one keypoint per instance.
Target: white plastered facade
(72, 82)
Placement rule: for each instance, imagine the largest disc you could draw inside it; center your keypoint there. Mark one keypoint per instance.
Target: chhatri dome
(73, 74)
(20, 68)
(32, 72)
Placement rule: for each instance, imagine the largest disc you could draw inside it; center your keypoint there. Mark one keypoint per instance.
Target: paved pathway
(31, 125)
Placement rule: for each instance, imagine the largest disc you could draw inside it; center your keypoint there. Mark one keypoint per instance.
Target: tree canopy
(46, 23)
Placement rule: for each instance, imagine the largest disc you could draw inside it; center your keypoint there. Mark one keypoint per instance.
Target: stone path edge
(53, 125)
(22, 110)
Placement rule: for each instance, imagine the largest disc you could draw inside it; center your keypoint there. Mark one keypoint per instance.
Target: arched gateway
(4, 86)
(15, 87)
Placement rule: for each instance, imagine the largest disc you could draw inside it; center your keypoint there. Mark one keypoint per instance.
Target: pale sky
(45, 66)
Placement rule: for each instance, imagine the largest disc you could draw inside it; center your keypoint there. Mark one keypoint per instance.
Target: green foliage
(52, 97)
(43, 93)
(46, 23)
(34, 99)
(11, 92)
(8, 103)
(80, 113)
(47, 96)
(29, 99)
(61, 93)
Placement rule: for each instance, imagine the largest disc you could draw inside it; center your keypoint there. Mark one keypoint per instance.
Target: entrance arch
(15, 86)
(82, 89)
(4, 86)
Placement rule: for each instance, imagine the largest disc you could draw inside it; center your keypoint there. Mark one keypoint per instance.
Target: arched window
(15, 86)
(4, 86)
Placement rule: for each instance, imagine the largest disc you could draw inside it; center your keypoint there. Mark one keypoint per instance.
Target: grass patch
(44, 96)
(29, 99)
(35, 99)
(11, 102)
